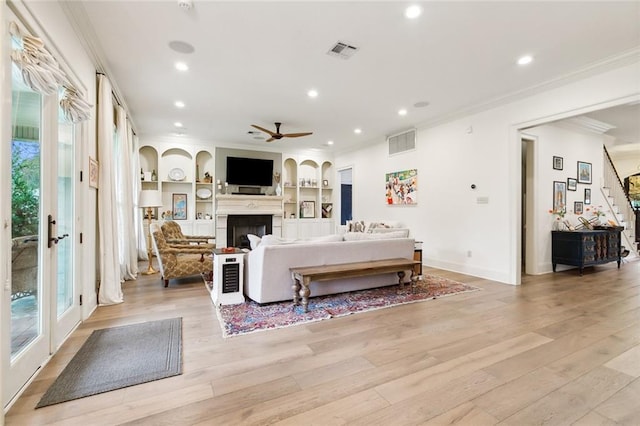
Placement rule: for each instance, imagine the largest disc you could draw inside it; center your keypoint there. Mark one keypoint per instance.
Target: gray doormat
(114, 358)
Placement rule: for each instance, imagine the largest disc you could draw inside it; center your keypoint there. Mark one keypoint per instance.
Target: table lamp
(149, 199)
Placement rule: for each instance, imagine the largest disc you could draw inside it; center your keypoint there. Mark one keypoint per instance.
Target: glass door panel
(64, 218)
(26, 279)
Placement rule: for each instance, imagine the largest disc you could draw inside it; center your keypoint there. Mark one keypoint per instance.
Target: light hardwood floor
(560, 349)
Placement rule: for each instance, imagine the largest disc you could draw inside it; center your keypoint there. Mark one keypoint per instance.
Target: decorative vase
(278, 190)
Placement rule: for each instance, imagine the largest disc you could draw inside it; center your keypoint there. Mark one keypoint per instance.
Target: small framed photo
(179, 206)
(572, 184)
(584, 172)
(559, 196)
(587, 195)
(307, 209)
(578, 207)
(94, 169)
(557, 163)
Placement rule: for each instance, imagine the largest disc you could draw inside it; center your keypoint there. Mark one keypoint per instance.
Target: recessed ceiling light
(329, 142)
(179, 104)
(524, 60)
(181, 66)
(402, 111)
(412, 12)
(177, 124)
(313, 93)
(421, 104)
(357, 131)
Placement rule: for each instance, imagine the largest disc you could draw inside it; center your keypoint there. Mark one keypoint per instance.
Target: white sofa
(267, 276)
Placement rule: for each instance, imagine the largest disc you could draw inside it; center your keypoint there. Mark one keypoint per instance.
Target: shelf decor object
(149, 199)
(176, 174)
(307, 209)
(204, 193)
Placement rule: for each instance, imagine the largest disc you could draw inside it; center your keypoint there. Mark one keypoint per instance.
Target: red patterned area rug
(250, 317)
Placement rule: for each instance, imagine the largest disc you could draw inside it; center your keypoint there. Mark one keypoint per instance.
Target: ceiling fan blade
(263, 129)
(270, 140)
(296, 135)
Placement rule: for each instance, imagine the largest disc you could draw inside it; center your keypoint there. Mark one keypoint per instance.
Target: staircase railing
(620, 198)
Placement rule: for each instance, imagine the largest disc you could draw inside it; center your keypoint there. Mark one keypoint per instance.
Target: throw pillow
(355, 226)
(254, 241)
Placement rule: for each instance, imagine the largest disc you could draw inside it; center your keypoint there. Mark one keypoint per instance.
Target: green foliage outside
(25, 184)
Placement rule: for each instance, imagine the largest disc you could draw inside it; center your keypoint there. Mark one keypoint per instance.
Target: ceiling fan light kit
(277, 135)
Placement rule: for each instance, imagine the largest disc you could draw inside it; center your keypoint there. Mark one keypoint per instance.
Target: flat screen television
(249, 171)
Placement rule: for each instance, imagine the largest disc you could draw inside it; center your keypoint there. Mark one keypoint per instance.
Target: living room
(469, 162)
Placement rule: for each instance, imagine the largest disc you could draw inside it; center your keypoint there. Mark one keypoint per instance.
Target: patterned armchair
(174, 236)
(180, 261)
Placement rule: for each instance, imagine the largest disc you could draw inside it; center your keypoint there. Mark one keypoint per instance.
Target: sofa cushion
(272, 240)
(324, 239)
(356, 236)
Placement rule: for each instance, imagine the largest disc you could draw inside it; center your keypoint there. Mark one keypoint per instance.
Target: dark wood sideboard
(585, 247)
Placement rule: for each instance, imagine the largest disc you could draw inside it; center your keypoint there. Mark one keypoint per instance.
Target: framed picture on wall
(578, 207)
(557, 163)
(559, 196)
(179, 206)
(572, 184)
(587, 195)
(584, 172)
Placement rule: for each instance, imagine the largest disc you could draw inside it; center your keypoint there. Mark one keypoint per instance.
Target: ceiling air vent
(405, 141)
(342, 50)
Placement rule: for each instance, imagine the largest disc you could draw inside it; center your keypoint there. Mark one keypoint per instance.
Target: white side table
(228, 287)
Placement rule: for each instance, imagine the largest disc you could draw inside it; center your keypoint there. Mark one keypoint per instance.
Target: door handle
(50, 239)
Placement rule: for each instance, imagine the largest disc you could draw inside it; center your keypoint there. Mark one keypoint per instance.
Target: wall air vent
(401, 142)
(342, 50)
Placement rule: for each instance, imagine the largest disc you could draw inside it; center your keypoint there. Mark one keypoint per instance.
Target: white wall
(449, 159)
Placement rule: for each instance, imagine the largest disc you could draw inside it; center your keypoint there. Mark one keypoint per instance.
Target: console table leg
(401, 280)
(296, 289)
(305, 292)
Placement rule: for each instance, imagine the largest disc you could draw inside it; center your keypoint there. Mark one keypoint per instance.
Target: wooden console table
(586, 248)
(303, 276)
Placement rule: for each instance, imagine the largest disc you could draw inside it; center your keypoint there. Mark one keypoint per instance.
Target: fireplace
(238, 226)
(257, 209)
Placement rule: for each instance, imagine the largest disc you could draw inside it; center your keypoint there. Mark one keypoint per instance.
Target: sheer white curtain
(110, 291)
(128, 255)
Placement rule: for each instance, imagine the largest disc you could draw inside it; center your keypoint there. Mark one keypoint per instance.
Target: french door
(44, 303)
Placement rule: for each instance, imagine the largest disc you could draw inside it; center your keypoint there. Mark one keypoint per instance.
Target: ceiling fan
(277, 135)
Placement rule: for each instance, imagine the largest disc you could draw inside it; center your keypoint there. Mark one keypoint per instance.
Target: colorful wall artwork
(402, 187)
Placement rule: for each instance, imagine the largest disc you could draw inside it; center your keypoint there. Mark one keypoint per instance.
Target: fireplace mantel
(246, 205)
